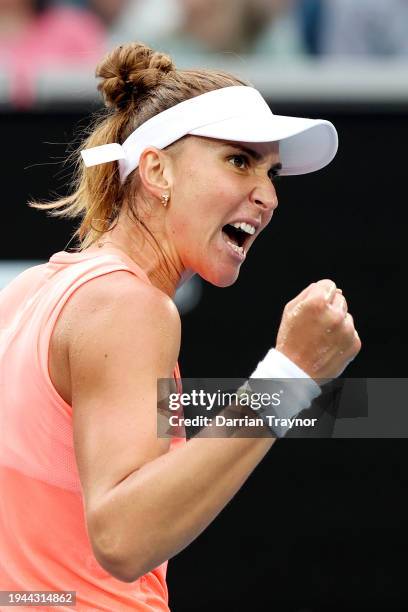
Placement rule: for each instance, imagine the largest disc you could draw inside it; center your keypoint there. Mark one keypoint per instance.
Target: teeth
(237, 248)
(246, 227)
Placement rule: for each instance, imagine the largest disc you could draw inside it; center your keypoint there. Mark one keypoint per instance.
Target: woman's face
(218, 183)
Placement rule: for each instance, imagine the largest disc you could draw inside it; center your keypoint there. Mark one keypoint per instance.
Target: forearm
(159, 509)
(162, 507)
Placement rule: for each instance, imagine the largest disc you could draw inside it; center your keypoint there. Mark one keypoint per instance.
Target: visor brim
(306, 145)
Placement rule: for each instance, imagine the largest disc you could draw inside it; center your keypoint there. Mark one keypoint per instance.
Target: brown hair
(137, 83)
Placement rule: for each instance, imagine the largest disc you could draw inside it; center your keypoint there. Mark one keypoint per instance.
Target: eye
(242, 159)
(244, 162)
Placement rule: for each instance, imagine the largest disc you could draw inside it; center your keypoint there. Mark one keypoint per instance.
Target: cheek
(223, 193)
(180, 226)
(208, 191)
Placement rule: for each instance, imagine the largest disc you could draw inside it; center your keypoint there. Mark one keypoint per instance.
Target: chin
(220, 278)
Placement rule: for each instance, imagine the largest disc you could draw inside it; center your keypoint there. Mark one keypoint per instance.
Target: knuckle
(340, 302)
(344, 302)
(317, 303)
(326, 282)
(329, 288)
(337, 318)
(288, 308)
(297, 309)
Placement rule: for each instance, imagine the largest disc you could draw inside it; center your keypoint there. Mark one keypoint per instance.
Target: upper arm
(124, 335)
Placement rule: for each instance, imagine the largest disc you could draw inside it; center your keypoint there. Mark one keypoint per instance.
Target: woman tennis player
(177, 178)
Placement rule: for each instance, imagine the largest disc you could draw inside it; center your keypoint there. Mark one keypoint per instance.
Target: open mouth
(236, 236)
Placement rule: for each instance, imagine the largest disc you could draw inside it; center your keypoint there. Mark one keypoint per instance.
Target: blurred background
(321, 524)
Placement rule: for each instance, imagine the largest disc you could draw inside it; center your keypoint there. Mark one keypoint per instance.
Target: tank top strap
(66, 272)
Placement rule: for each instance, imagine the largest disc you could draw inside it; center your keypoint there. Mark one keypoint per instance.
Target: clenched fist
(317, 332)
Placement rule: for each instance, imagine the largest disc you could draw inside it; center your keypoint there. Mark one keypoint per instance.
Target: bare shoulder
(106, 308)
(125, 301)
(120, 289)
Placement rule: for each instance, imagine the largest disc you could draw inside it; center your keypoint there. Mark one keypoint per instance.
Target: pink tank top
(44, 543)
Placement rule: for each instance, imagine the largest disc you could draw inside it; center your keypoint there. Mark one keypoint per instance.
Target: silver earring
(165, 199)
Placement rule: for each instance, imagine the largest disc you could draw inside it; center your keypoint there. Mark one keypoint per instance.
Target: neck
(137, 244)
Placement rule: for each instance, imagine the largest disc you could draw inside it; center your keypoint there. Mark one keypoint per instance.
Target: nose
(264, 195)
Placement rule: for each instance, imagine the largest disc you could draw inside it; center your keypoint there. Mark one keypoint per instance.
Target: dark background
(320, 524)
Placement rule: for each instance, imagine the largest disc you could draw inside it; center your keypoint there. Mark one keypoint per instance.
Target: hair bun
(130, 71)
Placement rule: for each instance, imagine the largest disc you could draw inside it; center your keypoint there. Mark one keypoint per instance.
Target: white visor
(237, 113)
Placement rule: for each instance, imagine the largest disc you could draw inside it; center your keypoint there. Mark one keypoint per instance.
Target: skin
(189, 228)
(143, 504)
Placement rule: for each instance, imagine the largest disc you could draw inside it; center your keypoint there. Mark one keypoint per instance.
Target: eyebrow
(254, 154)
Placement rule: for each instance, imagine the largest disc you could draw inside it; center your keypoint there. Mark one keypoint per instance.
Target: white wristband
(299, 395)
(276, 365)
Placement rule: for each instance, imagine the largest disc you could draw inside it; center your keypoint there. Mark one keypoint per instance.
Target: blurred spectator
(151, 21)
(365, 27)
(282, 36)
(109, 11)
(37, 35)
(238, 26)
(199, 26)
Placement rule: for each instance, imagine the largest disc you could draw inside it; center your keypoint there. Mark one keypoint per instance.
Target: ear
(155, 171)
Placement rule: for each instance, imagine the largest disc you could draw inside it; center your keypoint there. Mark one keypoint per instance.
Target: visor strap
(103, 154)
